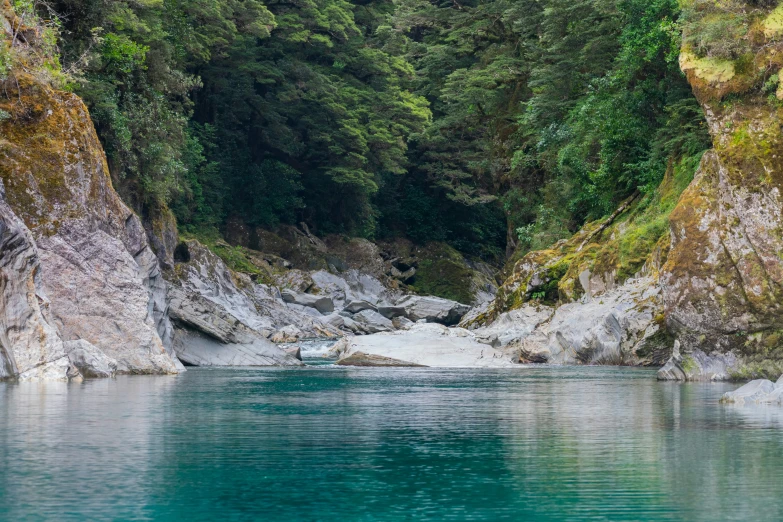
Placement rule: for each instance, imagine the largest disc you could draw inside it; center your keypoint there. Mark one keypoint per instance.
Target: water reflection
(367, 444)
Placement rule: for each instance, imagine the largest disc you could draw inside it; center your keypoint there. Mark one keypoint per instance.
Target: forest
(498, 126)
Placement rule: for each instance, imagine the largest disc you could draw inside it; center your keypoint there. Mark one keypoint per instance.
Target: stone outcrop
(99, 276)
(30, 346)
(223, 318)
(698, 366)
(723, 281)
(431, 345)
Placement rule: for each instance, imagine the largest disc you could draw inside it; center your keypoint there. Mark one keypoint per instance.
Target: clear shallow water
(335, 444)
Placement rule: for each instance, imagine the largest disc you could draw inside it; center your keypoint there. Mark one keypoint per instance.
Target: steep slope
(93, 263)
(723, 281)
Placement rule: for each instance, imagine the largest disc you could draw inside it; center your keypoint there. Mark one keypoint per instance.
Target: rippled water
(335, 444)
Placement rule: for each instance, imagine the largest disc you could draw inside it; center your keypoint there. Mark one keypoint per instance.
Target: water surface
(337, 444)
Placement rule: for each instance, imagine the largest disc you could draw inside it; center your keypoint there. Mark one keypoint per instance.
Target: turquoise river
(339, 444)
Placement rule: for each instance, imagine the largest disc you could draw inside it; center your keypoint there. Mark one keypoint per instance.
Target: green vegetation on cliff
(491, 125)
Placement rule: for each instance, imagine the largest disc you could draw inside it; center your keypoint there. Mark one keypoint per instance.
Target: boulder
(432, 309)
(514, 326)
(373, 322)
(779, 383)
(402, 323)
(89, 360)
(754, 391)
(698, 366)
(355, 307)
(391, 311)
(365, 359)
(287, 334)
(428, 345)
(325, 305)
(295, 352)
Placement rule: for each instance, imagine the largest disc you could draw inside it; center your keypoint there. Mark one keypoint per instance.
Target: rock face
(723, 281)
(95, 266)
(223, 319)
(30, 346)
(698, 366)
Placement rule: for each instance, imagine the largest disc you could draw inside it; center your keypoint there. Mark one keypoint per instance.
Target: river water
(341, 444)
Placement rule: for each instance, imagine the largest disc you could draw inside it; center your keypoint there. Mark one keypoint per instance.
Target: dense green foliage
(483, 123)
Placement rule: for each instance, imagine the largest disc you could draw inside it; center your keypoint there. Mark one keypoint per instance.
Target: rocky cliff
(723, 280)
(77, 265)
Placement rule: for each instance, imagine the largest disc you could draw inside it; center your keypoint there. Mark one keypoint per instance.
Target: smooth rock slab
(429, 345)
(754, 391)
(196, 349)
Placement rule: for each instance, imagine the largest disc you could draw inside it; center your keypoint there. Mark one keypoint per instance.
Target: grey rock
(433, 309)
(754, 391)
(774, 397)
(371, 360)
(391, 311)
(355, 307)
(96, 266)
(295, 352)
(287, 334)
(335, 320)
(698, 366)
(89, 360)
(779, 383)
(30, 346)
(194, 348)
(515, 326)
(402, 323)
(325, 305)
(610, 330)
(429, 345)
(373, 322)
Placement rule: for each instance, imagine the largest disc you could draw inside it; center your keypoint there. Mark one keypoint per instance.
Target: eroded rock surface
(30, 346)
(97, 270)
